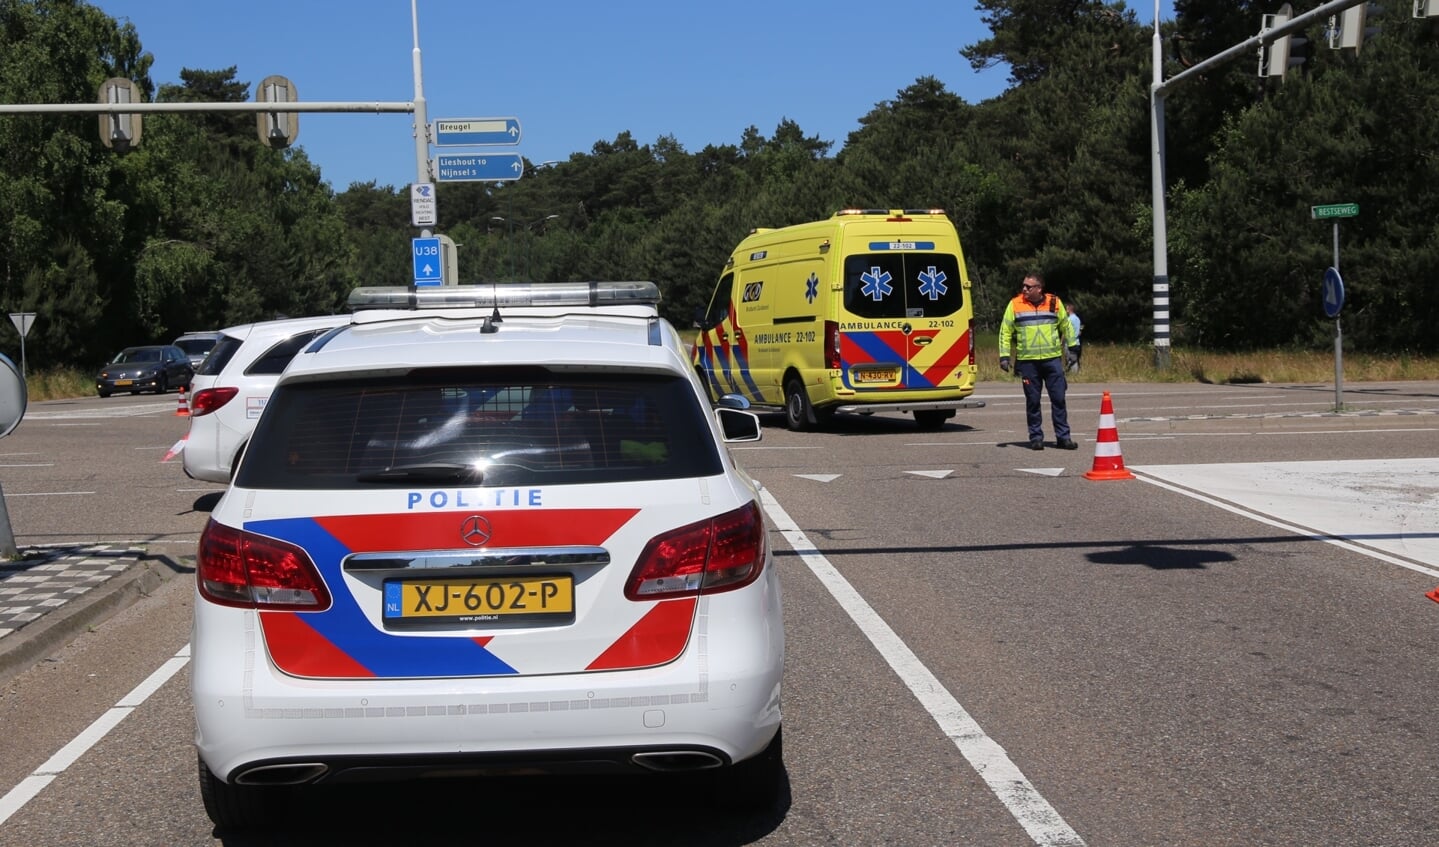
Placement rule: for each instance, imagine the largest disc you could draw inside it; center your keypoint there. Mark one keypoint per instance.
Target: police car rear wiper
(426, 472)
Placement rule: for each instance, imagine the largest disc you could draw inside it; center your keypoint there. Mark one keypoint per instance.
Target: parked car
(232, 385)
(197, 346)
(154, 367)
(504, 541)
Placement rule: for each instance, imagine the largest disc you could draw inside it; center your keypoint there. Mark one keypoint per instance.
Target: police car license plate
(868, 375)
(479, 599)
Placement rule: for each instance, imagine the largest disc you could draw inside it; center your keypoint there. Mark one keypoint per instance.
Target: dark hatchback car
(156, 367)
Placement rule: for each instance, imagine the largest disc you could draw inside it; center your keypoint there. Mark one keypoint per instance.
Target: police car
(501, 533)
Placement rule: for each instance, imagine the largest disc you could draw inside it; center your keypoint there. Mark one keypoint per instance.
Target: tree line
(201, 226)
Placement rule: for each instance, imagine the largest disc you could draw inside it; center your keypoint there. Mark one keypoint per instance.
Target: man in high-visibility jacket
(1037, 330)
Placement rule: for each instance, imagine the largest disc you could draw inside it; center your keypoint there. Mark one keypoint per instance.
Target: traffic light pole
(1158, 88)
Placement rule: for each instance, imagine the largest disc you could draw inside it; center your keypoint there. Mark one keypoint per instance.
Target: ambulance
(867, 311)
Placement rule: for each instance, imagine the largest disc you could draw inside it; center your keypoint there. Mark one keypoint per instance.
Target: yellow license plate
(124, 382)
(876, 375)
(479, 599)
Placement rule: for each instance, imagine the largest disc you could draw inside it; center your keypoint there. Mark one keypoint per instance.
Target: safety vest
(1035, 331)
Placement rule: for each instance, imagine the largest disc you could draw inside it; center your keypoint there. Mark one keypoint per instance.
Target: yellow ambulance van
(867, 311)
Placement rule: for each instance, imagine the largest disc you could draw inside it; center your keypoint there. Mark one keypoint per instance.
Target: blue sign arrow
(479, 167)
(471, 132)
(1333, 292)
(426, 255)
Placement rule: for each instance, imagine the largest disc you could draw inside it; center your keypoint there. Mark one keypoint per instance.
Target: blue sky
(573, 73)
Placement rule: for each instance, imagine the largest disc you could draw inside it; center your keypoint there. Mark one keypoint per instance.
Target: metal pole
(422, 120)
(1161, 251)
(1338, 338)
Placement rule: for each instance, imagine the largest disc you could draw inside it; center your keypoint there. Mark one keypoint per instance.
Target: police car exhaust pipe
(297, 773)
(677, 761)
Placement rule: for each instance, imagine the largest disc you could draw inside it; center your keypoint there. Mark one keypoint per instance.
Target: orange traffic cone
(183, 410)
(1108, 462)
(1433, 595)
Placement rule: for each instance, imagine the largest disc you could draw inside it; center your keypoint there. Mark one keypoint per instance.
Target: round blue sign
(1333, 292)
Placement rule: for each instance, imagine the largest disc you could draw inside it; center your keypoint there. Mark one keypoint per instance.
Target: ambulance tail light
(831, 345)
(971, 341)
(720, 554)
(248, 571)
(207, 400)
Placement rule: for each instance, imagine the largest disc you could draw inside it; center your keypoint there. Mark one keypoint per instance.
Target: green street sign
(1334, 210)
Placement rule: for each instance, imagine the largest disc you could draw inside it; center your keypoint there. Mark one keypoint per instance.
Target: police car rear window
(509, 427)
(902, 284)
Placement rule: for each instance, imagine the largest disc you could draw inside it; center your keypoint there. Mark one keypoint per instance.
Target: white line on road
(30, 786)
(49, 493)
(988, 759)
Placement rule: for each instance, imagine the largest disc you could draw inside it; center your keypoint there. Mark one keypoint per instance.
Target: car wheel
(162, 385)
(798, 415)
(240, 806)
(103, 394)
(931, 419)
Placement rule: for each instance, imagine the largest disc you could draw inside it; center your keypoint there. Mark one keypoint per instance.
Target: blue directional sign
(471, 132)
(1333, 292)
(479, 167)
(426, 255)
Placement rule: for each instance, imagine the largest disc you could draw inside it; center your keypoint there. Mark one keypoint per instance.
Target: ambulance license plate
(479, 599)
(869, 375)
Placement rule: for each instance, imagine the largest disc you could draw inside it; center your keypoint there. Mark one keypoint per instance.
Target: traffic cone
(1108, 462)
(1433, 595)
(183, 410)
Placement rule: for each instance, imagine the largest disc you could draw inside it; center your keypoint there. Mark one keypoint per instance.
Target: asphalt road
(984, 646)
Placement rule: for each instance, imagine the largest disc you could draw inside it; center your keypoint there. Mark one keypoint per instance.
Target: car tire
(930, 420)
(798, 414)
(162, 385)
(240, 806)
(103, 394)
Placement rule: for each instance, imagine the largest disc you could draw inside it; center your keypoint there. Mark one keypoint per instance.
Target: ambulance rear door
(906, 326)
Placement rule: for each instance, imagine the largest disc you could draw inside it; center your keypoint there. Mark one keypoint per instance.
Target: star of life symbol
(931, 283)
(876, 284)
(811, 288)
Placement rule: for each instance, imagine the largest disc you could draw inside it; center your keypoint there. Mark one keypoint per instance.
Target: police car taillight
(207, 400)
(237, 568)
(719, 554)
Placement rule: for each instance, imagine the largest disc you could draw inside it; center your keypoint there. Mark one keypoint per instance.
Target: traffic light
(1353, 25)
(277, 129)
(1285, 52)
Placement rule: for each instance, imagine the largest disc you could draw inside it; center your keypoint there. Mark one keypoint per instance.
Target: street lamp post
(530, 242)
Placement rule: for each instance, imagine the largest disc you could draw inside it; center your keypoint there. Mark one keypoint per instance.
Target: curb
(27, 646)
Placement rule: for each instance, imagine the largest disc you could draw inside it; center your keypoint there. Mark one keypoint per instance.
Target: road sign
(422, 204)
(426, 255)
(1333, 292)
(479, 167)
(1333, 210)
(472, 132)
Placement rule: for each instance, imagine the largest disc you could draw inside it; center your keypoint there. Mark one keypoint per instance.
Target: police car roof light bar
(510, 294)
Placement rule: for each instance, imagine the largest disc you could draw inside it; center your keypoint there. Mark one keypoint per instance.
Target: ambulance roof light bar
(506, 294)
(895, 212)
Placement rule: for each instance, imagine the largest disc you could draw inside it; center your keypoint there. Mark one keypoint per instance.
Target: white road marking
(1381, 508)
(1043, 471)
(49, 493)
(988, 759)
(931, 474)
(30, 786)
(819, 477)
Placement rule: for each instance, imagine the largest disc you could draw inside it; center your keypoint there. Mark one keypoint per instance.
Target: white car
(232, 385)
(488, 541)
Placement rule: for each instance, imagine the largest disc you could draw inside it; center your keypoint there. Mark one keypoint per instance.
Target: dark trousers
(1049, 374)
